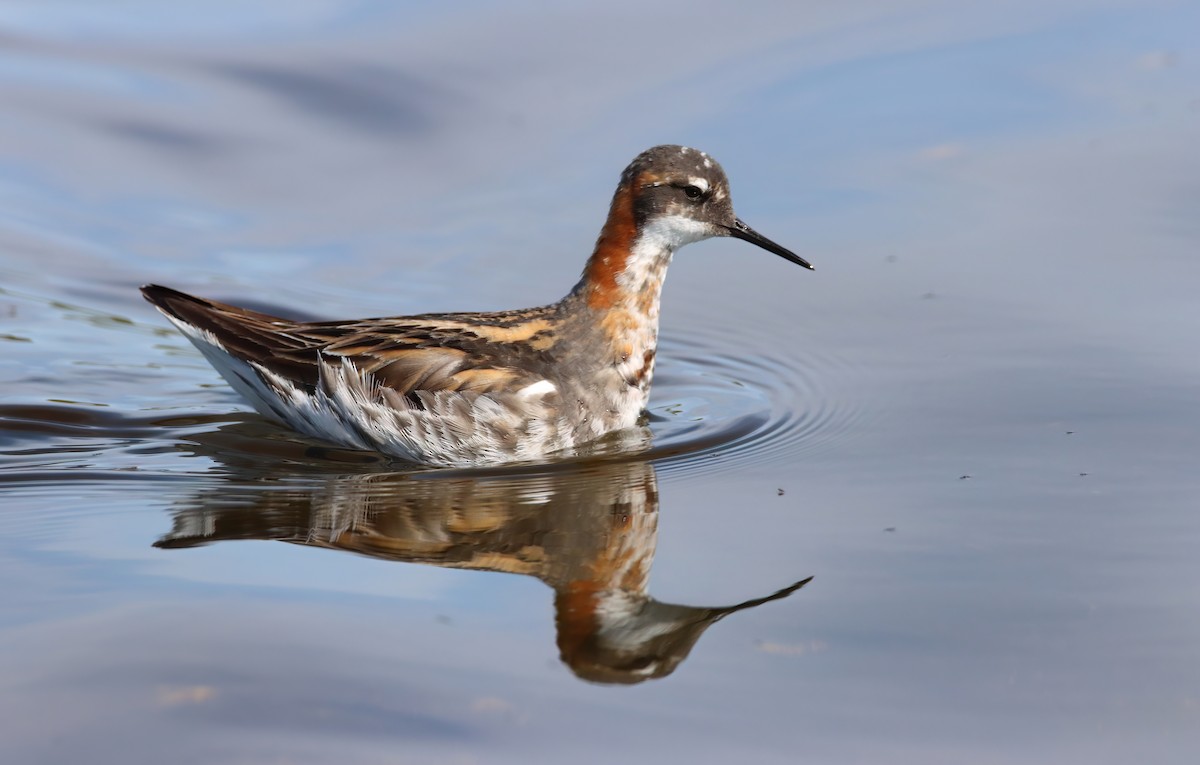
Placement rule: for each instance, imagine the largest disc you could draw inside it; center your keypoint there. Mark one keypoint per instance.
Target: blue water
(974, 426)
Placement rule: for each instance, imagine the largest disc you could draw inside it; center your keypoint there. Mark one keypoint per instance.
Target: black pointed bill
(741, 231)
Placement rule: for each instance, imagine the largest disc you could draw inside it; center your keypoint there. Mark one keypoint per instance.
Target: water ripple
(746, 409)
(709, 410)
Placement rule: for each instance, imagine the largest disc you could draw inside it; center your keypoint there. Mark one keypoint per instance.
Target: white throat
(672, 232)
(651, 254)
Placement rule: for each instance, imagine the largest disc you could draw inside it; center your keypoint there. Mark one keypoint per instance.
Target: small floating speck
(171, 696)
(791, 649)
(15, 338)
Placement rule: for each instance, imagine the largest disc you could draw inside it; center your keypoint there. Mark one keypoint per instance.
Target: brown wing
(432, 352)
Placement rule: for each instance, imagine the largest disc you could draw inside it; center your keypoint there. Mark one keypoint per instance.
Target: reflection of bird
(588, 533)
(483, 388)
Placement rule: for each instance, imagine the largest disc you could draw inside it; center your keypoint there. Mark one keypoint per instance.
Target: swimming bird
(474, 389)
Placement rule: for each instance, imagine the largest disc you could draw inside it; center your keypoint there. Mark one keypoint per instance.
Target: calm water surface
(975, 427)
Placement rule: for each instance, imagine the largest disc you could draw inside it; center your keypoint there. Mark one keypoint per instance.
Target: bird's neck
(627, 268)
(619, 295)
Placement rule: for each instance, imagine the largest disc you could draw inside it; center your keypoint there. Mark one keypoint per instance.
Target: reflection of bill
(589, 533)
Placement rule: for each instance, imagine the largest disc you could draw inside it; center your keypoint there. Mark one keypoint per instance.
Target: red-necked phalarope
(463, 389)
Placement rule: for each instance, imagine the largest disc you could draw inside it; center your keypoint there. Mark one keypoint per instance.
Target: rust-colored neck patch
(612, 248)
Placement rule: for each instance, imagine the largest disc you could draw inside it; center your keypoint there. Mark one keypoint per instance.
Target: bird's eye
(693, 192)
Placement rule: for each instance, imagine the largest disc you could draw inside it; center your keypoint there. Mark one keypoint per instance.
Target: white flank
(539, 388)
(241, 376)
(450, 428)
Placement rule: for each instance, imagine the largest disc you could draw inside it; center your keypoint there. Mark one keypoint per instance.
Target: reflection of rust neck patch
(612, 249)
(575, 607)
